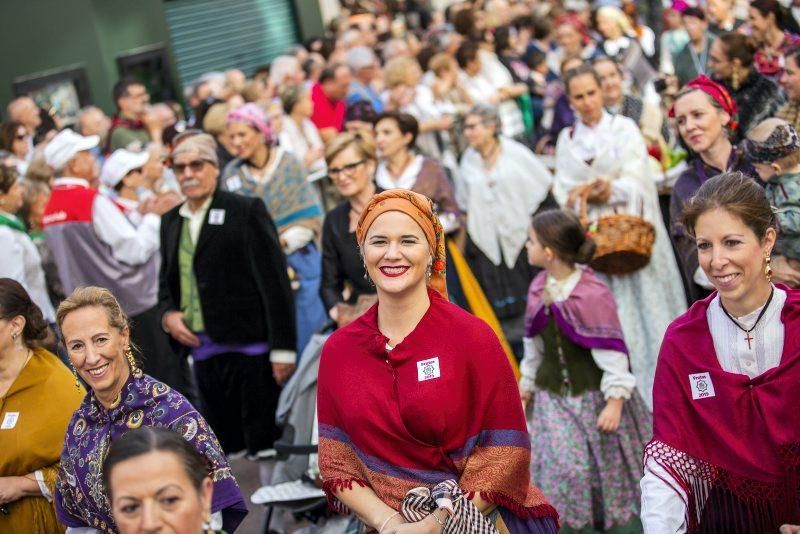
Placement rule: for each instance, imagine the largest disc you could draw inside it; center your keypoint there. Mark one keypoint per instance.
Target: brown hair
(363, 143)
(8, 134)
(562, 232)
(577, 72)
(8, 177)
(442, 62)
(39, 171)
(739, 46)
(737, 194)
(406, 123)
(15, 301)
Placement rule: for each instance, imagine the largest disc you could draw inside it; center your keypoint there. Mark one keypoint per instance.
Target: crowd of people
(551, 247)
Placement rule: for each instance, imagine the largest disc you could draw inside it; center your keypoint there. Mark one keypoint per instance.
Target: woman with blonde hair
(621, 43)
(96, 334)
(345, 290)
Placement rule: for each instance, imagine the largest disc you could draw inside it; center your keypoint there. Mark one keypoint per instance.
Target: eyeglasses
(196, 166)
(347, 170)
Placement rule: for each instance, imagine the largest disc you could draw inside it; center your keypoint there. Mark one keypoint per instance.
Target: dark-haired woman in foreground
(589, 423)
(726, 446)
(37, 397)
(157, 482)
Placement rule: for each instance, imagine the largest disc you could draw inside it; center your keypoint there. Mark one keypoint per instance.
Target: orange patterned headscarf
(419, 208)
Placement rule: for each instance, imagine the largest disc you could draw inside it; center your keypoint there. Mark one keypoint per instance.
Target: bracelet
(436, 517)
(383, 526)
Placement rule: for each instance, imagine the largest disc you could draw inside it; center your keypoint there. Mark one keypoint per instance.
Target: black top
(341, 259)
(241, 273)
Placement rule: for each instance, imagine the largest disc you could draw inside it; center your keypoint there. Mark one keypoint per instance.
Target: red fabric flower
(439, 265)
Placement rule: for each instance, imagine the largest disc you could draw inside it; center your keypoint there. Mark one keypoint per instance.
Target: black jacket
(241, 274)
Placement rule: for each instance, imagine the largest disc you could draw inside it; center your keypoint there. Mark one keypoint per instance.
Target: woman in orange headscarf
(417, 394)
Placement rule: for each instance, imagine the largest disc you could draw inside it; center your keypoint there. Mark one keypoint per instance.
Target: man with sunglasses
(225, 297)
(95, 244)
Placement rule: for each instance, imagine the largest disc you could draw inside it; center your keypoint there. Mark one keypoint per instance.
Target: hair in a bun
(562, 232)
(15, 301)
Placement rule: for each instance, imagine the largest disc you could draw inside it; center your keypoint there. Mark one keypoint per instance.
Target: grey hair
(489, 115)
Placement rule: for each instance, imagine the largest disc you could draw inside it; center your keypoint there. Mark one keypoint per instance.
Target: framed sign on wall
(60, 92)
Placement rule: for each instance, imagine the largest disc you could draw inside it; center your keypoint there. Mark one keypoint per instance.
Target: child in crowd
(589, 424)
(774, 149)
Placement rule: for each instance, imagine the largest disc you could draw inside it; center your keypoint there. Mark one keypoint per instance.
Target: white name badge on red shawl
(428, 369)
(702, 387)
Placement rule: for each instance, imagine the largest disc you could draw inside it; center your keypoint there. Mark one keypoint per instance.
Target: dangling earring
(429, 270)
(768, 268)
(135, 371)
(207, 526)
(735, 79)
(77, 381)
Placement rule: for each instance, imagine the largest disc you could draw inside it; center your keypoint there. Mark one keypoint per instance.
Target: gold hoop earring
(768, 268)
(135, 371)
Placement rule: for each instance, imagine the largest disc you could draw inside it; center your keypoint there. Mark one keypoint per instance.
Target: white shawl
(499, 202)
(619, 154)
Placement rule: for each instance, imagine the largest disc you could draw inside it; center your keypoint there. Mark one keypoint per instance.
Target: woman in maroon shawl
(725, 455)
(417, 402)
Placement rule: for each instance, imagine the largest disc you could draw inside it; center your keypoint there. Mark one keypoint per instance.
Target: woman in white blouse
(726, 445)
(500, 184)
(299, 135)
(610, 151)
(19, 257)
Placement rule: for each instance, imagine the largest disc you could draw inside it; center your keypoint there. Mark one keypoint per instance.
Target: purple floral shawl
(80, 496)
(588, 317)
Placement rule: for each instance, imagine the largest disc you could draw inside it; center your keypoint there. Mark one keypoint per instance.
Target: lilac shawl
(80, 496)
(588, 317)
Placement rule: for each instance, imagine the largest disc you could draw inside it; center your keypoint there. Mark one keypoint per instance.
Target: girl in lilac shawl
(97, 338)
(588, 423)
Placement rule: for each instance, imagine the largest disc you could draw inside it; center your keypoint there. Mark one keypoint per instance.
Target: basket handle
(583, 198)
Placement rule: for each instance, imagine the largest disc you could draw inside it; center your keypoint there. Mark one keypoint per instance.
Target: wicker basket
(624, 242)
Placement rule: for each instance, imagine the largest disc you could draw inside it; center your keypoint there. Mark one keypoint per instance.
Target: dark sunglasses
(195, 166)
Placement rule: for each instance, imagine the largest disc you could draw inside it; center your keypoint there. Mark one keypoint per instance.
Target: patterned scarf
(781, 142)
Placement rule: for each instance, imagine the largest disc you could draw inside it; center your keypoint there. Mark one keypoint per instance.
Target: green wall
(44, 35)
(41, 35)
(309, 18)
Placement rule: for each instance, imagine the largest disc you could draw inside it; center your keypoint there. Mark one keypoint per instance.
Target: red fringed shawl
(443, 405)
(743, 441)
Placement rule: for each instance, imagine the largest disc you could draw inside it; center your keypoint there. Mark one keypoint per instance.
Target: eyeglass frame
(348, 169)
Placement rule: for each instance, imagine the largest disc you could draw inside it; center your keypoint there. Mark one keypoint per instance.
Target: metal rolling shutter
(209, 35)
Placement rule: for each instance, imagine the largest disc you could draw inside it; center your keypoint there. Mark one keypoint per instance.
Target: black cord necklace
(747, 336)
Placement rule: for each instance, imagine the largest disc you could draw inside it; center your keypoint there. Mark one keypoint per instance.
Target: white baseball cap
(119, 164)
(65, 145)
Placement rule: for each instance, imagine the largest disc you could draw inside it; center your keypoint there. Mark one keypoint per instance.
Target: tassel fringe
(332, 487)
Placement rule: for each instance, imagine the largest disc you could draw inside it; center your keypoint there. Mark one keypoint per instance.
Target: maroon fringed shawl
(743, 441)
(442, 405)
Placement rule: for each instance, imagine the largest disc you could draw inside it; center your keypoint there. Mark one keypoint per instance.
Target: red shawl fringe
(333, 486)
(761, 507)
